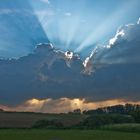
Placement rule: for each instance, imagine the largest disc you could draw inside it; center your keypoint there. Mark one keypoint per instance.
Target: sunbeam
(104, 28)
(74, 29)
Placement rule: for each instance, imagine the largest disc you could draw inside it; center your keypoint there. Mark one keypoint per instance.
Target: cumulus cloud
(88, 62)
(124, 47)
(49, 73)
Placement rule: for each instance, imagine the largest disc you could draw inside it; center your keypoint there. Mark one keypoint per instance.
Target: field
(15, 126)
(123, 127)
(26, 120)
(22, 134)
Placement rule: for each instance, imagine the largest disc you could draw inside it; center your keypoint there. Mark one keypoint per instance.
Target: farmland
(26, 119)
(43, 126)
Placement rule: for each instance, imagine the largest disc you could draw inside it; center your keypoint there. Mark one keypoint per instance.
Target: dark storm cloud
(124, 47)
(50, 73)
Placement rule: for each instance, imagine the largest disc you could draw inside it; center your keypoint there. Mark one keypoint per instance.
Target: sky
(77, 25)
(59, 55)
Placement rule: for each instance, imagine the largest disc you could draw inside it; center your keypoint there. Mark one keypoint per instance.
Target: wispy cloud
(44, 13)
(5, 11)
(45, 1)
(68, 14)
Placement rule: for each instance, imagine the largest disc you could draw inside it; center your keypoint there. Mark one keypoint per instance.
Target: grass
(25, 134)
(123, 127)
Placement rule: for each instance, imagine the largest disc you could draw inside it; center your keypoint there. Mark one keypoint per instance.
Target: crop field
(25, 134)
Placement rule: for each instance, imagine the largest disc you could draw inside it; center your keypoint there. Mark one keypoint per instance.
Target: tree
(117, 109)
(136, 116)
(1, 110)
(50, 124)
(98, 120)
(77, 111)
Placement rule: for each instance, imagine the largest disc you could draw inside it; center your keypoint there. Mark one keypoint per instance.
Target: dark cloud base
(49, 73)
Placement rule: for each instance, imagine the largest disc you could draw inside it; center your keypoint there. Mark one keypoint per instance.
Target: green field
(65, 135)
(123, 127)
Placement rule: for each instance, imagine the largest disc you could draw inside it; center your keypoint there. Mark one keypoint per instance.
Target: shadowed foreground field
(25, 134)
(26, 119)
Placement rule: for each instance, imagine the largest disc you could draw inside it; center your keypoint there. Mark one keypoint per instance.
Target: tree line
(126, 109)
(118, 114)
